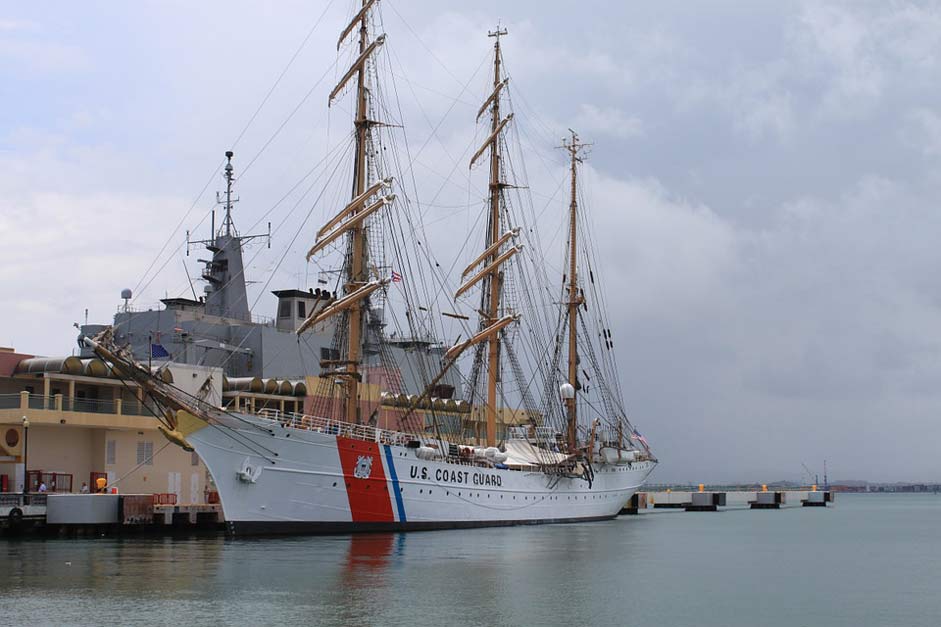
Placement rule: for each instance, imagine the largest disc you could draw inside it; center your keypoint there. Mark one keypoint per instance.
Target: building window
(329, 354)
(111, 452)
(284, 309)
(145, 453)
(194, 459)
(301, 309)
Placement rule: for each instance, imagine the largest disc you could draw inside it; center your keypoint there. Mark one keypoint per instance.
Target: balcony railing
(58, 402)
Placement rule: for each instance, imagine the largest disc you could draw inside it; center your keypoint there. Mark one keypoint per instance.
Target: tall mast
(356, 278)
(350, 221)
(494, 255)
(573, 146)
(493, 310)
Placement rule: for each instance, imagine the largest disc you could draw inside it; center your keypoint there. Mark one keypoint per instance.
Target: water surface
(870, 560)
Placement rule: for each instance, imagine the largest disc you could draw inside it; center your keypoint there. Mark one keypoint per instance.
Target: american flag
(396, 277)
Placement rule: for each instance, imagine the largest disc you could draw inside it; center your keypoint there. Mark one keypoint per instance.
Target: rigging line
(283, 72)
(433, 91)
(313, 169)
(411, 174)
(271, 273)
(434, 130)
(287, 249)
(422, 111)
(422, 42)
(545, 127)
(222, 410)
(137, 467)
(138, 289)
(290, 212)
(288, 118)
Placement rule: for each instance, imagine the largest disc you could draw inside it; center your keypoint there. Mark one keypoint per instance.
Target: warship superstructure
(217, 329)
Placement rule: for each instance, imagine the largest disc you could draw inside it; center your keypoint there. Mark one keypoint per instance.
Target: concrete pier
(817, 499)
(637, 504)
(112, 514)
(768, 500)
(706, 501)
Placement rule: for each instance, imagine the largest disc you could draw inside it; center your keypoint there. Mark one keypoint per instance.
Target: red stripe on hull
(368, 492)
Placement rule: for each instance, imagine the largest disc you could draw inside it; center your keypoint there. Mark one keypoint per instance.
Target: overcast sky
(763, 183)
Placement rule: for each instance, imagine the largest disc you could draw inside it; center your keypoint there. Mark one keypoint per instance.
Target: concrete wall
(63, 449)
(171, 469)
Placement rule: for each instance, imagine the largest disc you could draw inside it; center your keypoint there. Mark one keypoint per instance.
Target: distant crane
(811, 474)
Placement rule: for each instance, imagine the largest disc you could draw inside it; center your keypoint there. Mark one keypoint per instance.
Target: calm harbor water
(870, 560)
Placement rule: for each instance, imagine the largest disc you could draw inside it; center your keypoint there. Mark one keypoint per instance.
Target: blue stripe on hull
(395, 484)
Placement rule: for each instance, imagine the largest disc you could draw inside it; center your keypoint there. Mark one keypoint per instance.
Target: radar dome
(567, 391)
(126, 293)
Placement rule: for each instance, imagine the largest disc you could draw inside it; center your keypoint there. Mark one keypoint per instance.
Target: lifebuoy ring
(15, 516)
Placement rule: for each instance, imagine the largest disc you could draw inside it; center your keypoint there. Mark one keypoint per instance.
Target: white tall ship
(570, 455)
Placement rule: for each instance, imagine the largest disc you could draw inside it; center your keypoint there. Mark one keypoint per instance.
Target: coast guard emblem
(363, 467)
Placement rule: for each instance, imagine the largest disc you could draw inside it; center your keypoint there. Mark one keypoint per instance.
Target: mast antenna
(228, 225)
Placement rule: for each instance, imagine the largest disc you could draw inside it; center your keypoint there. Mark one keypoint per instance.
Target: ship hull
(277, 479)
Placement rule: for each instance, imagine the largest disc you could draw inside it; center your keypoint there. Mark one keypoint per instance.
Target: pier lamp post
(25, 454)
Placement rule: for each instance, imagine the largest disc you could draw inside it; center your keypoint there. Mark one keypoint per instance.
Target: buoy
(702, 488)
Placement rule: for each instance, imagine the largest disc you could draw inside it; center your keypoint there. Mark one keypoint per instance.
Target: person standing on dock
(42, 486)
(84, 489)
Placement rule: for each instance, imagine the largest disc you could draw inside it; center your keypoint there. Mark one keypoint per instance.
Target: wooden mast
(357, 264)
(493, 312)
(575, 299)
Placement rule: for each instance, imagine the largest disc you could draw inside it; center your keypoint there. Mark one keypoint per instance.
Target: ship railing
(267, 321)
(139, 308)
(366, 433)
(331, 426)
(539, 434)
